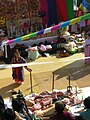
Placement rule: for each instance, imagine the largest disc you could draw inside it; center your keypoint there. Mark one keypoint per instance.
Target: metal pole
(53, 82)
(69, 87)
(31, 82)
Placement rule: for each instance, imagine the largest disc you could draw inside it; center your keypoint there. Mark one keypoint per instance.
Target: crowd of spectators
(20, 111)
(17, 111)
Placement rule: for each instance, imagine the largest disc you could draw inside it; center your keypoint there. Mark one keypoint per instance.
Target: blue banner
(86, 5)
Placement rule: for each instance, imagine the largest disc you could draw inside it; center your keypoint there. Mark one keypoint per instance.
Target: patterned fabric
(62, 10)
(86, 114)
(62, 116)
(18, 72)
(52, 11)
(44, 8)
(87, 54)
(70, 7)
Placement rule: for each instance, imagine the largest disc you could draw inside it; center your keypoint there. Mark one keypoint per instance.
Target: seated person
(33, 53)
(9, 114)
(80, 118)
(2, 108)
(71, 47)
(20, 109)
(46, 43)
(60, 113)
(86, 113)
(42, 47)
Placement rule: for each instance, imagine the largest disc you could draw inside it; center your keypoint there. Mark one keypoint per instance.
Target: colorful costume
(87, 50)
(62, 116)
(18, 72)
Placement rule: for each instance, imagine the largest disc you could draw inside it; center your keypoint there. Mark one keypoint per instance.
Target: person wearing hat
(87, 48)
(60, 114)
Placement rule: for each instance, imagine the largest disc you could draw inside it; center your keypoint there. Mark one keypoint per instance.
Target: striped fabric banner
(44, 8)
(52, 11)
(75, 5)
(70, 7)
(85, 6)
(62, 10)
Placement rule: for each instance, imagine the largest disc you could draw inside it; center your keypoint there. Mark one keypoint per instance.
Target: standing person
(18, 72)
(87, 49)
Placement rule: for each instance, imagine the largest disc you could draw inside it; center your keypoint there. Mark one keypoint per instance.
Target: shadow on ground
(76, 70)
(6, 91)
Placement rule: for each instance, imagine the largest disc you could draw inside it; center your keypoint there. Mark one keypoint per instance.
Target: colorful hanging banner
(85, 17)
(56, 27)
(47, 30)
(86, 5)
(40, 32)
(32, 35)
(11, 41)
(50, 29)
(65, 24)
(76, 20)
(25, 37)
(18, 39)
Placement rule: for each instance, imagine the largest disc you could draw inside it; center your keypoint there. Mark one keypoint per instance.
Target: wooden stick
(53, 82)
(69, 87)
(31, 82)
(69, 79)
(76, 90)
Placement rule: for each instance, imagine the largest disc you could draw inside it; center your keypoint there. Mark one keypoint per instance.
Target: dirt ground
(42, 75)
